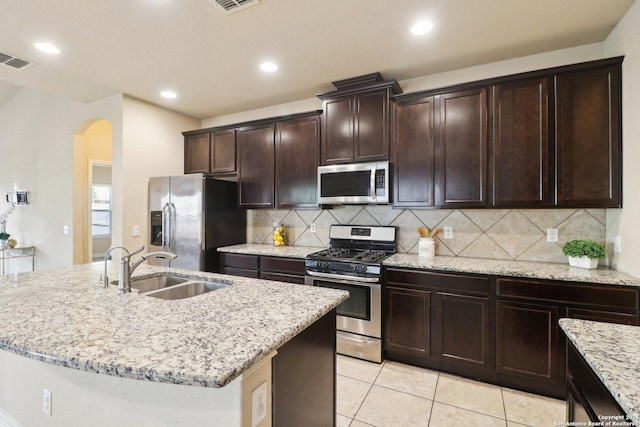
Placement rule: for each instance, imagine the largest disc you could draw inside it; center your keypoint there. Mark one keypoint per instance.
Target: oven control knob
(355, 267)
(364, 268)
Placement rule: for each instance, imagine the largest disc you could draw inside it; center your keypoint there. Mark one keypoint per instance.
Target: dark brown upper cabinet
(355, 125)
(414, 152)
(520, 144)
(210, 152)
(539, 146)
(196, 153)
(297, 158)
(461, 149)
(223, 151)
(256, 148)
(588, 137)
(440, 150)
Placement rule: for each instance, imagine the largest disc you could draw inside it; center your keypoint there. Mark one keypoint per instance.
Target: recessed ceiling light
(169, 94)
(269, 67)
(421, 27)
(47, 48)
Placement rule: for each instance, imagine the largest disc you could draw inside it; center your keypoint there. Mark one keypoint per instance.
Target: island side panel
(304, 377)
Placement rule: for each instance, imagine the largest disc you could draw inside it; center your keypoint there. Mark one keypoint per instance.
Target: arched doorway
(92, 219)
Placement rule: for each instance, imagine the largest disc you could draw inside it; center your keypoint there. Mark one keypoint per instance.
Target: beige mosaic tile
(350, 394)
(485, 218)
(344, 214)
(533, 410)
(356, 423)
(582, 226)
(484, 247)
(309, 215)
(342, 421)
(464, 231)
(323, 222)
(389, 408)
(309, 239)
(277, 215)
(363, 218)
(450, 416)
(547, 218)
(441, 248)
(358, 369)
(262, 226)
(294, 227)
(406, 232)
(599, 214)
(514, 233)
(432, 217)
(384, 215)
(471, 395)
(408, 379)
(543, 251)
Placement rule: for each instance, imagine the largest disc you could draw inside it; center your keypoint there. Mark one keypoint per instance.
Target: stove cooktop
(350, 255)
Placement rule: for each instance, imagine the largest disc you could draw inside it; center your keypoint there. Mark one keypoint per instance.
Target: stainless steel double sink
(172, 287)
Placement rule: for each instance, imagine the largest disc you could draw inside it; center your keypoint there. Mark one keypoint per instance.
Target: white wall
(152, 146)
(36, 146)
(624, 222)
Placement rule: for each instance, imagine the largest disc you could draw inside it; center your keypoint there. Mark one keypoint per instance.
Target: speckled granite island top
(65, 317)
(532, 270)
(270, 250)
(613, 353)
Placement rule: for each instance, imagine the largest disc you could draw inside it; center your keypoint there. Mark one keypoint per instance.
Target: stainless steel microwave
(355, 183)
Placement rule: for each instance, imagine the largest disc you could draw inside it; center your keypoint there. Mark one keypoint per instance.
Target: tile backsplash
(512, 234)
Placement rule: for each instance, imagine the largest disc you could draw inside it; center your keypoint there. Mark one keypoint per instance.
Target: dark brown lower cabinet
(239, 265)
(527, 344)
(463, 330)
(304, 377)
(587, 397)
(408, 325)
(280, 269)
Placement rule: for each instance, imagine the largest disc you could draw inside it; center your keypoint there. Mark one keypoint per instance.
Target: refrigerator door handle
(172, 225)
(165, 225)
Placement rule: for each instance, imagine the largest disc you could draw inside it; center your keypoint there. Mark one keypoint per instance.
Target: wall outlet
(46, 401)
(65, 229)
(552, 235)
(136, 231)
(259, 404)
(313, 227)
(617, 244)
(448, 232)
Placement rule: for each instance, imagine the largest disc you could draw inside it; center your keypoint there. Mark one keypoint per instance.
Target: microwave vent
(231, 6)
(14, 62)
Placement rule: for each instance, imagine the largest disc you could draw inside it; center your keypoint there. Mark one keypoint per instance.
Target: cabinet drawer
(574, 294)
(479, 285)
(239, 272)
(603, 316)
(239, 261)
(282, 265)
(279, 277)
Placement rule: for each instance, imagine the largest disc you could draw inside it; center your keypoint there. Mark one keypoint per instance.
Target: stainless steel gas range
(354, 263)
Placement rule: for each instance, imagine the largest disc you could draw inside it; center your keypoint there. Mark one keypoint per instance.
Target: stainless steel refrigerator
(192, 216)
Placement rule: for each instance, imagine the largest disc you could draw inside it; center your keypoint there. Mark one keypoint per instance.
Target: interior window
(100, 210)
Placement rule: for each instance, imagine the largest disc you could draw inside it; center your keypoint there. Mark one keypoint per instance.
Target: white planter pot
(583, 262)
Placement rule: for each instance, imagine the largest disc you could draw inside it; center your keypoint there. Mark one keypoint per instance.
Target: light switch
(136, 231)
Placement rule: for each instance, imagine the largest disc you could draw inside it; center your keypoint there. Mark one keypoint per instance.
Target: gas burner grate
(371, 255)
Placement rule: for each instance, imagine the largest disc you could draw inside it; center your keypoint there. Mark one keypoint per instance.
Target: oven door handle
(344, 278)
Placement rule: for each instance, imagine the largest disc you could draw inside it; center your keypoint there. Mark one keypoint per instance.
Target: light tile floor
(396, 395)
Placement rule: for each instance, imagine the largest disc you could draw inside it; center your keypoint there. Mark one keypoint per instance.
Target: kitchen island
(135, 359)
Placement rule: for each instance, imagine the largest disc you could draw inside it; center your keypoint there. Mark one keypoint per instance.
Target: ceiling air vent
(14, 62)
(231, 6)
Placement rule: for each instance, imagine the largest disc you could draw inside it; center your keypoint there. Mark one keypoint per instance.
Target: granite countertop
(526, 269)
(533, 270)
(66, 318)
(270, 250)
(613, 352)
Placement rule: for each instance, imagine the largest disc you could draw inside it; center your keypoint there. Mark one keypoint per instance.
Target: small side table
(20, 258)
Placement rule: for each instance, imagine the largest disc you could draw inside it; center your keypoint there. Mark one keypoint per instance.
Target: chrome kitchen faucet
(126, 268)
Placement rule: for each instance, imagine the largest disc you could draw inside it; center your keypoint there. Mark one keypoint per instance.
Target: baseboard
(6, 420)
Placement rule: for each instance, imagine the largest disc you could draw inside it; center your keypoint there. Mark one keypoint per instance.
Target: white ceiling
(140, 47)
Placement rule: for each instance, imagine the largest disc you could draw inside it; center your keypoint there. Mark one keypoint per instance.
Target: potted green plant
(3, 239)
(583, 253)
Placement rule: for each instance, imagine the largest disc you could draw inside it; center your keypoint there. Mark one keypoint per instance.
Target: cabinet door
(588, 139)
(408, 324)
(520, 144)
(371, 126)
(337, 131)
(196, 153)
(462, 149)
(255, 176)
(464, 335)
(223, 151)
(297, 158)
(414, 153)
(527, 341)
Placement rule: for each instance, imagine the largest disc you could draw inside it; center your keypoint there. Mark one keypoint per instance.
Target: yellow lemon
(281, 229)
